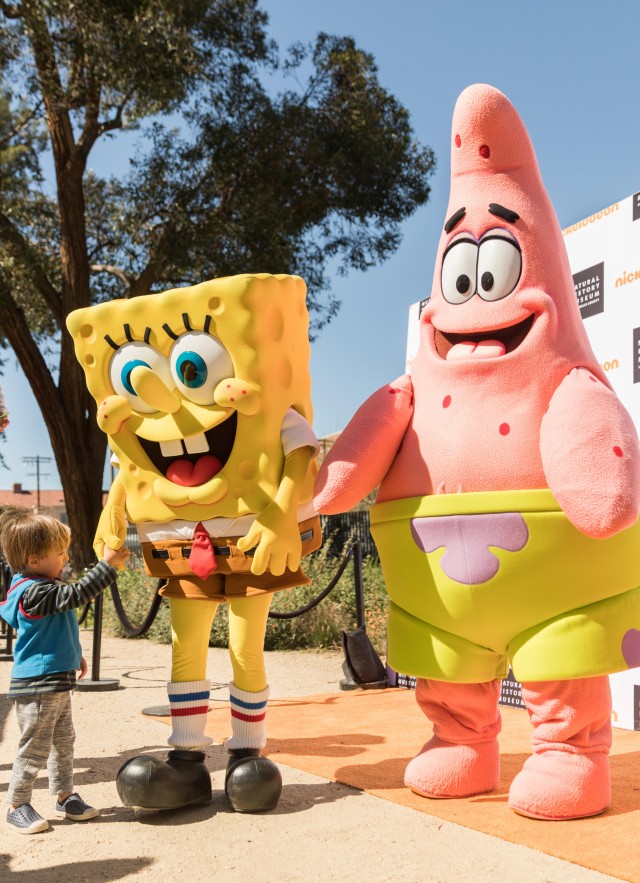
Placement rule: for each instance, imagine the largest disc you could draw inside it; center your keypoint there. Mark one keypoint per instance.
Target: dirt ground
(320, 829)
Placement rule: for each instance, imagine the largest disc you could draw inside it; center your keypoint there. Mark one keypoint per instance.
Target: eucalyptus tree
(240, 159)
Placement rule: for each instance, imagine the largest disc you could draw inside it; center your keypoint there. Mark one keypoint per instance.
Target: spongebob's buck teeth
(196, 444)
(171, 448)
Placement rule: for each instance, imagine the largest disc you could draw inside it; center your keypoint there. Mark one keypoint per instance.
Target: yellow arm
(275, 531)
(112, 526)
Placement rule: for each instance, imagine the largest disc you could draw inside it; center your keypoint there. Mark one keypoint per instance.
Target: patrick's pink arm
(591, 457)
(364, 451)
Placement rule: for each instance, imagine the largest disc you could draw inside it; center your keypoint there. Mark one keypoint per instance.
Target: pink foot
(557, 785)
(443, 769)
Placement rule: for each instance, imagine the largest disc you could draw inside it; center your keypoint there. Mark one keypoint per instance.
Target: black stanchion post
(96, 682)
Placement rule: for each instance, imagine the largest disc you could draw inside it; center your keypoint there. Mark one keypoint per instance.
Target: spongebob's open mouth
(481, 345)
(194, 460)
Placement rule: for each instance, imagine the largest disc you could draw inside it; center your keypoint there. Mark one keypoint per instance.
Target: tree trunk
(68, 411)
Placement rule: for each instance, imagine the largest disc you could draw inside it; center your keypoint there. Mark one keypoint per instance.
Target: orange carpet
(366, 738)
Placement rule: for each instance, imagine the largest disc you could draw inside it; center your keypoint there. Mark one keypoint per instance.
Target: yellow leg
(190, 630)
(247, 626)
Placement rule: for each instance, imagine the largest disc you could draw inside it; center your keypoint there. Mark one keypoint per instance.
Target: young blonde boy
(47, 654)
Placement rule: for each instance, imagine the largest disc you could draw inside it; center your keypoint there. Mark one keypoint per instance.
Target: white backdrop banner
(604, 254)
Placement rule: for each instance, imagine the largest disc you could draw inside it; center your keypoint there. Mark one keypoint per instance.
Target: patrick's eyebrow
(505, 213)
(454, 219)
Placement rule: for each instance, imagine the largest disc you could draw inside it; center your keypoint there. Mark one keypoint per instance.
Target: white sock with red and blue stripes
(189, 702)
(248, 712)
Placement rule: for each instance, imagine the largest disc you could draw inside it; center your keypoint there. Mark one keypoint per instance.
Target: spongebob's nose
(153, 390)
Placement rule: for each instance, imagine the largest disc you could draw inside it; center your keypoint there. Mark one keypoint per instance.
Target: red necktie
(202, 559)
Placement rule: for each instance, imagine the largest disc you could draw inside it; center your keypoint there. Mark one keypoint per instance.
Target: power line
(37, 460)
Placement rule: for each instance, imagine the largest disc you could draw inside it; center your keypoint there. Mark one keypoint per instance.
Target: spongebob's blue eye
(127, 369)
(191, 369)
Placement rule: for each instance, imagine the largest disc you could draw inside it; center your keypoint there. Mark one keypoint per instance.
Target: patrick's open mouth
(483, 344)
(194, 460)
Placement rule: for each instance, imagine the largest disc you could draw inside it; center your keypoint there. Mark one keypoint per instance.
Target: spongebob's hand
(276, 536)
(112, 526)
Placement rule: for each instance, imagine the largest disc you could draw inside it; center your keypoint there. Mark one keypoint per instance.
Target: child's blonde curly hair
(24, 533)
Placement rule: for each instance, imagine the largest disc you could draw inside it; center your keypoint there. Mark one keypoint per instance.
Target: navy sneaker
(25, 820)
(76, 809)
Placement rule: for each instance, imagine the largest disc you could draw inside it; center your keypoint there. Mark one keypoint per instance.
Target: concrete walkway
(320, 830)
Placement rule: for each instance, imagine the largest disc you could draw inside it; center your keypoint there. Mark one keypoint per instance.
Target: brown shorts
(232, 577)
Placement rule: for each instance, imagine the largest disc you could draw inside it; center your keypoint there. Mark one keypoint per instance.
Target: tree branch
(148, 276)
(16, 329)
(20, 126)
(21, 250)
(126, 278)
(11, 10)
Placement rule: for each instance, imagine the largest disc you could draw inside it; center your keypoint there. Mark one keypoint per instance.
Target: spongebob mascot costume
(205, 395)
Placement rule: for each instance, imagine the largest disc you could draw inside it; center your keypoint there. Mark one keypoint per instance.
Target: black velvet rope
(323, 594)
(132, 630)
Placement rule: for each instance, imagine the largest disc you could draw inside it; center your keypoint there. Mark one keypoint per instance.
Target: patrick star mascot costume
(509, 491)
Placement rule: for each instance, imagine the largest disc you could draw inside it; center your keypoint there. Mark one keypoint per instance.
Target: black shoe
(25, 820)
(252, 783)
(75, 808)
(144, 782)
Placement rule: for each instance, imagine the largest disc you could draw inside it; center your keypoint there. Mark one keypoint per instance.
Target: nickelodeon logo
(591, 219)
(627, 277)
(610, 366)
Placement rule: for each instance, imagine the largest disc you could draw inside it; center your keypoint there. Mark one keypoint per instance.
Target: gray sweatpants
(46, 737)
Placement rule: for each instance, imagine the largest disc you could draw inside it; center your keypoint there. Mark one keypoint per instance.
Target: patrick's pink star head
(502, 284)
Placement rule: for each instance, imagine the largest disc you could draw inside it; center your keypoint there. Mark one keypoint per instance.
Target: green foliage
(321, 627)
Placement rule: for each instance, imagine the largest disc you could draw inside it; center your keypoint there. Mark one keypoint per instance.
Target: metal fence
(342, 530)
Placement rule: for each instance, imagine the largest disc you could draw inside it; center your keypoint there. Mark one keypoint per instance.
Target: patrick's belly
(454, 445)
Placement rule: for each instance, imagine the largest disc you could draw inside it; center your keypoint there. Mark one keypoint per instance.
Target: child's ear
(32, 561)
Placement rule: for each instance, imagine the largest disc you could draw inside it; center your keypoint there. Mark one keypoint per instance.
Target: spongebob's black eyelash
(148, 331)
(186, 321)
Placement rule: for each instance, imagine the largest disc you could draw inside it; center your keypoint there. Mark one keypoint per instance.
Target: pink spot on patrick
(631, 648)
(484, 151)
(617, 451)
(446, 401)
(458, 140)
(505, 429)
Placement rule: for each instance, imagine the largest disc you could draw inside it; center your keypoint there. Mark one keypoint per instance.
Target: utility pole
(37, 460)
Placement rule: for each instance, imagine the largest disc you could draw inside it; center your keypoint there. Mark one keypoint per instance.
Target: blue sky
(572, 71)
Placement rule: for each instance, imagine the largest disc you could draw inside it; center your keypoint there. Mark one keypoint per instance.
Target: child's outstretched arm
(47, 597)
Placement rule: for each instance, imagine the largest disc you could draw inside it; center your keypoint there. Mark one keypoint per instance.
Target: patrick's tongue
(483, 349)
(189, 474)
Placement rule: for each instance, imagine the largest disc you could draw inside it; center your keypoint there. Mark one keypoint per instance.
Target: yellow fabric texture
(556, 609)
(190, 629)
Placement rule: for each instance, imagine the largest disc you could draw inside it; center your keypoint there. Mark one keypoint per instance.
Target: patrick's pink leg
(462, 757)
(567, 776)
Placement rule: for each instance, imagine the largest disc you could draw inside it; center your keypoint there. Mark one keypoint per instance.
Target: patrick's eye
(198, 363)
(124, 362)
(499, 267)
(459, 271)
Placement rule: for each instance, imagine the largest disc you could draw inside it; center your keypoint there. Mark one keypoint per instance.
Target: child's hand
(83, 668)
(116, 557)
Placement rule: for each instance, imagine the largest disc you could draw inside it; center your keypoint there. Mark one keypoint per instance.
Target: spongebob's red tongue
(189, 474)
